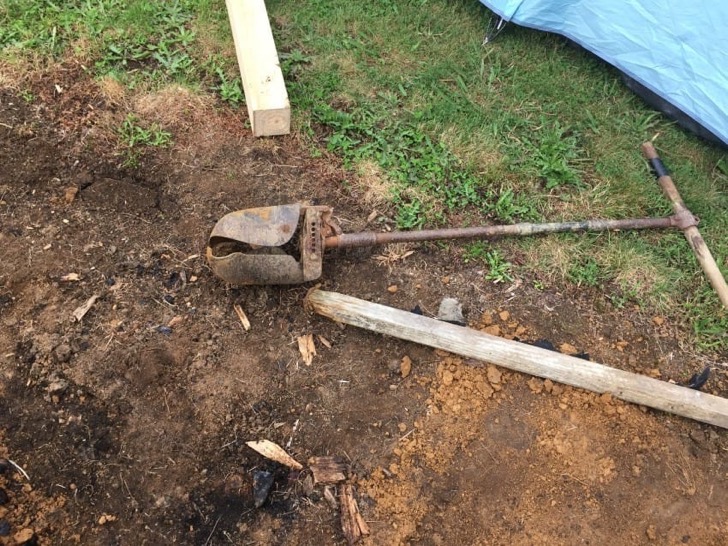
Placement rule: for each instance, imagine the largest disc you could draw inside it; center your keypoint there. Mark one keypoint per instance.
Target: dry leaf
(307, 348)
(70, 194)
(274, 452)
(394, 253)
(175, 321)
(405, 366)
(242, 316)
(330, 498)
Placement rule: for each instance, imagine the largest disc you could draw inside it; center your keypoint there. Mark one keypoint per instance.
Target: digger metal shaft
(680, 220)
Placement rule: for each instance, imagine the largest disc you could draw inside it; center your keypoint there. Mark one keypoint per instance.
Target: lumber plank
(521, 357)
(265, 91)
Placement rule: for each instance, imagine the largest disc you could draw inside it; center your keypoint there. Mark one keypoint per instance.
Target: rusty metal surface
(264, 226)
(255, 269)
(265, 230)
(490, 232)
(245, 246)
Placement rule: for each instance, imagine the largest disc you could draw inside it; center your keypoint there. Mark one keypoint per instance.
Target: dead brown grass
(376, 189)
(174, 107)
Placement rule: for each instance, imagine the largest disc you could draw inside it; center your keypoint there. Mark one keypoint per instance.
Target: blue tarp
(676, 49)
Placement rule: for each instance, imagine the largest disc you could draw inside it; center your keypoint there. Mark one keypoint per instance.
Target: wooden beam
(521, 357)
(265, 90)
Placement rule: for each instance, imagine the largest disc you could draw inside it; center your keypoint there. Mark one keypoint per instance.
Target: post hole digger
(257, 246)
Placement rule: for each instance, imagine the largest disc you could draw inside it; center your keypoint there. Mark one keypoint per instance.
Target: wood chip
(242, 316)
(307, 348)
(274, 452)
(330, 498)
(325, 342)
(81, 311)
(327, 470)
(71, 277)
(352, 523)
(372, 216)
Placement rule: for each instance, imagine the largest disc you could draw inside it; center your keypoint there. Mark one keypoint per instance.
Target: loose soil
(132, 422)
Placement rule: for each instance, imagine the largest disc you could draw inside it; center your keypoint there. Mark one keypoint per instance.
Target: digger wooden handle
(695, 240)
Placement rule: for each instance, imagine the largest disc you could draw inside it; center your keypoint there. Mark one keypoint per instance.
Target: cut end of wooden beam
(273, 122)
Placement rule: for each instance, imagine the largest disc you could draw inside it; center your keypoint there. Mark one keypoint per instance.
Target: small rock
(445, 280)
(659, 321)
(698, 436)
(307, 485)
(447, 378)
(169, 298)
(651, 532)
(451, 310)
(262, 483)
(405, 366)
(392, 289)
(548, 385)
(3, 497)
(4, 528)
(536, 385)
(504, 316)
(494, 375)
(106, 518)
(493, 330)
(23, 536)
(63, 353)
(568, 349)
(110, 281)
(58, 386)
(486, 319)
(166, 330)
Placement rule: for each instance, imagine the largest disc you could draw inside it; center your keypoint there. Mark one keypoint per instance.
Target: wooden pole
(521, 357)
(695, 240)
(265, 90)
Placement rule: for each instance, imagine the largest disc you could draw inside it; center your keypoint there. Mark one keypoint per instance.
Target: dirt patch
(132, 421)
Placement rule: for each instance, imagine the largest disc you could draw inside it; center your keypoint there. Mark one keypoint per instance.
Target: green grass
(134, 137)
(528, 128)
